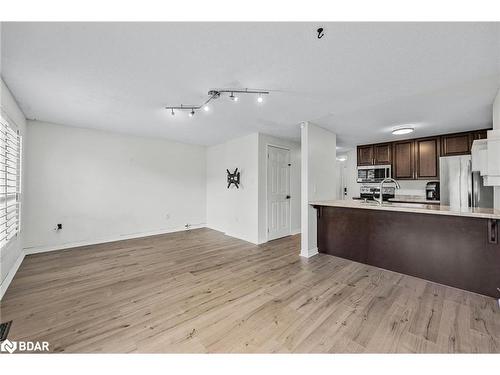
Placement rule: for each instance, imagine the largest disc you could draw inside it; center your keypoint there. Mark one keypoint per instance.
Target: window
(10, 182)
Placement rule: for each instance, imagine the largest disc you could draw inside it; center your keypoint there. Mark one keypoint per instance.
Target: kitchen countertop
(485, 213)
(413, 199)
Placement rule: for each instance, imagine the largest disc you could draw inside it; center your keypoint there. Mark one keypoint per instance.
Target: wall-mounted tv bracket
(233, 178)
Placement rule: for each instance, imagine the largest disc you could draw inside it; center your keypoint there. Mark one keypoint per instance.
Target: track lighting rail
(215, 94)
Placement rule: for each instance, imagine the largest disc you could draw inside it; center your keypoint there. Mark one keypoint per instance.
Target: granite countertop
(412, 199)
(418, 208)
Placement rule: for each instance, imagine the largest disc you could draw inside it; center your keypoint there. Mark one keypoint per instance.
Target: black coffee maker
(432, 191)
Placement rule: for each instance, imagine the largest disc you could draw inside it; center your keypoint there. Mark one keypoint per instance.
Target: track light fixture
(172, 113)
(215, 94)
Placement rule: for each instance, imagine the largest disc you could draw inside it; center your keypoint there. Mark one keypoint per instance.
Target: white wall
(318, 152)
(242, 213)
(350, 173)
(12, 254)
(294, 147)
(234, 211)
(103, 186)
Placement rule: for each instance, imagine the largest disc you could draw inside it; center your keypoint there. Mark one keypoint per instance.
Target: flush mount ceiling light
(403, 130)
(215, 94)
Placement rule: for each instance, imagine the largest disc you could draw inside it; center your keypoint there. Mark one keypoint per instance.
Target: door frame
(267, 188)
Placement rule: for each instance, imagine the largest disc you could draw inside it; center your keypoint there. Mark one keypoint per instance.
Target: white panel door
(278, 192)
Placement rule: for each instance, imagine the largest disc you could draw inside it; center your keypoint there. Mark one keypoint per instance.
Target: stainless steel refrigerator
(460, 187)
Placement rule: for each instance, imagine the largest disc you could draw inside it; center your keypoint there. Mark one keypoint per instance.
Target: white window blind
(10, 182)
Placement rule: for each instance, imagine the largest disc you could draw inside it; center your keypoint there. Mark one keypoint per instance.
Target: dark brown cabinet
(479, 134)
(414, 159)
(403, 158)
(427, 158)
(383, 153)
(365, 155)
(455, 144)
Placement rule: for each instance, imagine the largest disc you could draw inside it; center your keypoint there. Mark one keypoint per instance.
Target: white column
(318, 174)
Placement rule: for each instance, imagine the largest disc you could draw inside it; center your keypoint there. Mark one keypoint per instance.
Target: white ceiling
(359, 80)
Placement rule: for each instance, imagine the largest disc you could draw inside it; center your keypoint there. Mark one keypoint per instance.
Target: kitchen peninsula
(459, 248)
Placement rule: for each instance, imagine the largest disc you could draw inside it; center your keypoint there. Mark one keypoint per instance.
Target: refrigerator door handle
(469, 182)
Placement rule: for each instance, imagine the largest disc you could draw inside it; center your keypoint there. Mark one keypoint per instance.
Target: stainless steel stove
(369, 192)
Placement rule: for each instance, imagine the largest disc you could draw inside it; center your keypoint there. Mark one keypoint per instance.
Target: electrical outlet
(58, 227)
(187, 226)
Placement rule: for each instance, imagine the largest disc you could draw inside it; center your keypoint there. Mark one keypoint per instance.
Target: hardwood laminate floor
(201, 291)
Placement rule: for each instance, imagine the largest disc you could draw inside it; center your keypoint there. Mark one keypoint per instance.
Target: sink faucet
(380, 196)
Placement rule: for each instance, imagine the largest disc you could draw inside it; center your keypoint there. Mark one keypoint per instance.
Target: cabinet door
(383, 153)
(365, 155)
(427, 158)
(455, 144)
(403, 160)
(479, 134)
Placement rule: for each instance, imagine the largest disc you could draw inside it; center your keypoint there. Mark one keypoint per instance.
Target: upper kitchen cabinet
(456, 144)
(375, 154)
(365, 155)
(418, 159)
(427, 158)
(403, 158)
(479, 134)
(382, 153)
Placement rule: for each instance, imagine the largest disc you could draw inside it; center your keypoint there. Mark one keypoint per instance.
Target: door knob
(287, 197)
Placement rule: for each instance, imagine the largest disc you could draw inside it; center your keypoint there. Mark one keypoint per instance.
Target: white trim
(10, 276)
(267, 188)
(70, 245)
(295, 231)
(308, 253)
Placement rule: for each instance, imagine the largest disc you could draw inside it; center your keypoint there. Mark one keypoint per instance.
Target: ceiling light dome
(403, 130)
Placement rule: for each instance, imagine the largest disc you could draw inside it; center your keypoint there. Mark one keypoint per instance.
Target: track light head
(206, 108)
(191, 114)
(233, 97)
(260, 99)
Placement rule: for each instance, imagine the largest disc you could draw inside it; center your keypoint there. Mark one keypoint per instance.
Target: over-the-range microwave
(373, 173)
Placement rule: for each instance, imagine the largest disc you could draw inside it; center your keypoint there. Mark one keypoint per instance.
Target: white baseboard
(239, 237)
(293, 232)
(308, 253)
(70, 245)
(10, 276)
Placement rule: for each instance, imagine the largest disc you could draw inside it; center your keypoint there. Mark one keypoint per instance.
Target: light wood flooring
(201, 291)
